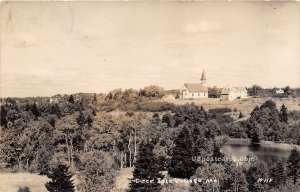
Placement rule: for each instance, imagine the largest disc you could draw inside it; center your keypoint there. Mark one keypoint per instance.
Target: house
(279, 91)
(195, 90)
(233, 93)
(242, 92)
(55, 98)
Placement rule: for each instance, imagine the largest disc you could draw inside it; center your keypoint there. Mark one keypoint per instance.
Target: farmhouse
(234, 93)
(195, 90)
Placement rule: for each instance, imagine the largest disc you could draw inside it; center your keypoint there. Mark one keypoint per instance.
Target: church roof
(196, 87)
(203, 77)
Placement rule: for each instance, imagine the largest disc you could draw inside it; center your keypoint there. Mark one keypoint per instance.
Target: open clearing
(242, 105)
(123, 180)
(10, 182)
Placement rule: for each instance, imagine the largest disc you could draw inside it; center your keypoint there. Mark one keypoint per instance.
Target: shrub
(220, 110)
(24, 189)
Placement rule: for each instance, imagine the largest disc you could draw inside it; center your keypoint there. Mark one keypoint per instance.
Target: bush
(24, 189)
(157, 106)
(220, 110)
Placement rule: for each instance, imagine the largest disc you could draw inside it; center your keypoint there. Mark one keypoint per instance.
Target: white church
(195, 90)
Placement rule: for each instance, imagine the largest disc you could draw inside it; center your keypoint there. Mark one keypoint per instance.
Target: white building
(195, 90)
(234, 93)
(279, 91)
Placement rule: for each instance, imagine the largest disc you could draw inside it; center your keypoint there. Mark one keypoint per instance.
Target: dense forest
(93, 136)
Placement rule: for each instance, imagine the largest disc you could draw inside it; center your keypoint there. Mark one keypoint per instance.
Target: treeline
(138, 100)
(270, 124)
(258, 91)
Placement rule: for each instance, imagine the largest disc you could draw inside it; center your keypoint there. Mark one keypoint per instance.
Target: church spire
(203, 77)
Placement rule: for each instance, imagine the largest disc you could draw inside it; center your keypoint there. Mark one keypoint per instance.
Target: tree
(80, 119)
(283, 115)
(168, 119)
(254, 90)
(71, 99)
(293, 166)
(278, 173)
(288, 187)
(35, 110)
(241, 115)
(66, 131)
(212, 129)
(60, 180)
(98, 170)
(255, 172)
(181, 163)
(287, 90)
(214, 92)
(217, 154)
(146, 168)
(214, 172)
(190, 113)
(264, 123)
(55, 110)
(235, 179)
(3, 116)
(152, 91)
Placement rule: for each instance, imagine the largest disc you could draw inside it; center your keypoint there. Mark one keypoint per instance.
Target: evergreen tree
(71, 99)
(217, 154)
(35, 110)
(89, 120)
(168, 119)
(95, 98)
(214, 115)
(80, 119)
(277, 172)
(283, 115)
(258, 170)
(241, 115)
(3, 116)
(60, 180)
(146, 168)
(293, 166)
(181, 163)
(55, 110)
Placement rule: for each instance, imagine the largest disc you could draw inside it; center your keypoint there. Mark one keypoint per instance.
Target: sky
(48, 48)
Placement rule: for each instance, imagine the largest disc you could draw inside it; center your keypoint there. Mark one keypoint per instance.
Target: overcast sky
(68, 47)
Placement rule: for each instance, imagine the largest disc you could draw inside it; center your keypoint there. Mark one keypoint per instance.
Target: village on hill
(200, 90)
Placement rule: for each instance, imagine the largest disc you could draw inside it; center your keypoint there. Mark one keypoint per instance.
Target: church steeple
(203, 77)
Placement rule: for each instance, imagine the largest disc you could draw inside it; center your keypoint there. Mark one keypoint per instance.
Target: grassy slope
(245, 105)
(10, 182)
(122, 180)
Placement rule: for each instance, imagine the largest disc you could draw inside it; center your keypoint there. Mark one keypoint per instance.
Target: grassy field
(10, 182)
(243, 105)
(122, 180)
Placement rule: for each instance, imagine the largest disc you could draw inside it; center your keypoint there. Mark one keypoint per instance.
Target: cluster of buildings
(200, 90)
